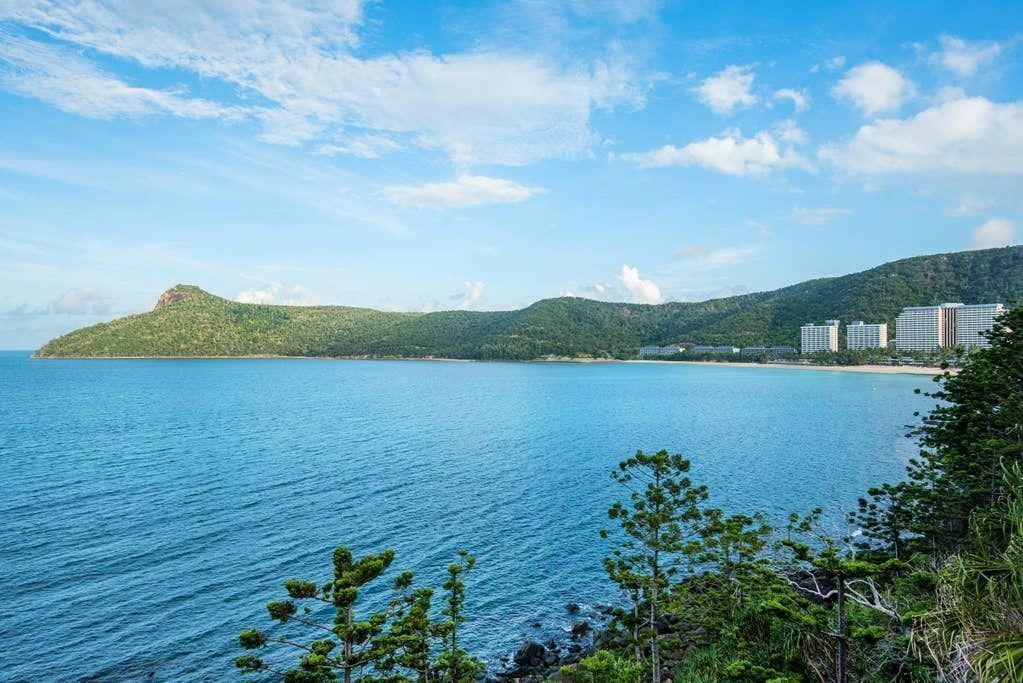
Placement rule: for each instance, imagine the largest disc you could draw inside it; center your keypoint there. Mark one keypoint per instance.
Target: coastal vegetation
(188, 321)
(927, 585)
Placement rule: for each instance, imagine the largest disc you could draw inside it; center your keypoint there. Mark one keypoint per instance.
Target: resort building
(928, 328)
(860, 335)
(972, 321)
(715, 349)
(815, 338)
(669, 350)
(767, 350)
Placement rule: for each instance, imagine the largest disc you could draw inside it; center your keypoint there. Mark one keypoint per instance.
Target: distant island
(190, 322)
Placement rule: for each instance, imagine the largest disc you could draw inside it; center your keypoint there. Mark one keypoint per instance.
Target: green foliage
(190, 322)
(604, 667)
(399, 644)
(660, 523)
(455, 664)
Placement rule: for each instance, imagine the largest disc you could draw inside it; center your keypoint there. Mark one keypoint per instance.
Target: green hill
(188, 321)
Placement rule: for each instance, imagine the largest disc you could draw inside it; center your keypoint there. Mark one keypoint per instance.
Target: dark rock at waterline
(530, 654)
(580, 629)
(572, 608)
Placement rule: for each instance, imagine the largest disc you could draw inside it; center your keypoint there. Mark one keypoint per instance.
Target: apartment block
(815, 338)
(861, 335)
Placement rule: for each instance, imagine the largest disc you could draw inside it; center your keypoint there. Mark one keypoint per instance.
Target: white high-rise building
(860, 335)
(972, 321)
(814, 338)
(928, 328)
(922, 328)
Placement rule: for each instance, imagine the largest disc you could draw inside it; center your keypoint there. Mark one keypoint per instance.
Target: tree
(455, 664)
(319, 663)
(407, 644)
(975, 631)
(966, 439)
(660, 523)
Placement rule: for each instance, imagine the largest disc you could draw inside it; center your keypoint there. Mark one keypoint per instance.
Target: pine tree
(660, 523)
(455, 664)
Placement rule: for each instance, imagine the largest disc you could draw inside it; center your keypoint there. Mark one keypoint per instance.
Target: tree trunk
(841, 675)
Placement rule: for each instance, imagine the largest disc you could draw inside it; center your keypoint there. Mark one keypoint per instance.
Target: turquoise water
(151, 508)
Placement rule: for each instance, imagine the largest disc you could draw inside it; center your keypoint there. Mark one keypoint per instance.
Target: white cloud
(293, 66)
(789, 131)
(365, 147)
(963, 58)
(70, 83)
(819, 216)
(970, 205)
(832, 64)
(281, 293)
(874, 87)
(728, 90)
(730, 153)
(799, 98)
(967, 136)
(81, 301)
(470, 295)
(699, 257)
(640, 291)
(996, 232)
(465, 191)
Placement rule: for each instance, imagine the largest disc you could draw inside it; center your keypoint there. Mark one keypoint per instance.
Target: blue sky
(426, 156)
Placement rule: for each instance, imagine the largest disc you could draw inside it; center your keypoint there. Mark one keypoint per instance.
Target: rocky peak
(175, 295)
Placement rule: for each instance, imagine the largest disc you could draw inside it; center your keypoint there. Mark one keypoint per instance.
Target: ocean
(152, 507)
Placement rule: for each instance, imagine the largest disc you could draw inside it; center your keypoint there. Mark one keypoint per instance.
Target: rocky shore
(537, 661)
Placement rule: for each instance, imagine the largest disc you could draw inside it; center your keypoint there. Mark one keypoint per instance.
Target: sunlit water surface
(150, 508)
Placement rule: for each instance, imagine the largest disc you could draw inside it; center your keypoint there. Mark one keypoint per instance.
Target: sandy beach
(877, 369)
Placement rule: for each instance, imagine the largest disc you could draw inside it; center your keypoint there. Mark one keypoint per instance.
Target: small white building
(861, 335)
(816, 338)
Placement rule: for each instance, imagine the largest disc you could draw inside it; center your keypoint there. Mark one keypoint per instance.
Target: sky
(484, 155)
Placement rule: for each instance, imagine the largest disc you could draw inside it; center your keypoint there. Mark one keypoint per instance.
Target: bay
(150, 508)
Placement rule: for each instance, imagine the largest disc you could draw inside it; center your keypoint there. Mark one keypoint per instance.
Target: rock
(536, 624)
(550, 657)
(580, 629)
(604, 609)
(530, 654)
(552, 645)
(572, 608)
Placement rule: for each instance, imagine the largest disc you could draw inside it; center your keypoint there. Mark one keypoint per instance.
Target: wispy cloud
(67, 81)
(819, 216)
(283, 293)
(964, 58)
(729, 153)
(463, 192)
(799, 98)
(996, 232)
(483, 106)
(470, 295)
(971, 205)
(700, 257)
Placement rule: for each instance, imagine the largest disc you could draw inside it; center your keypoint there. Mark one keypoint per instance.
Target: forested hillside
(191, 322)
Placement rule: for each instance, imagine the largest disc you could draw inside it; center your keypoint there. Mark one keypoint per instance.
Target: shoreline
(874, 369)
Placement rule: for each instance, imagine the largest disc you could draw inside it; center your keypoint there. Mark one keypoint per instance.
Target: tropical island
(190, 322)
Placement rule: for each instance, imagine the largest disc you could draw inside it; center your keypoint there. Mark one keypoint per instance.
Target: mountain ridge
(187, 321)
